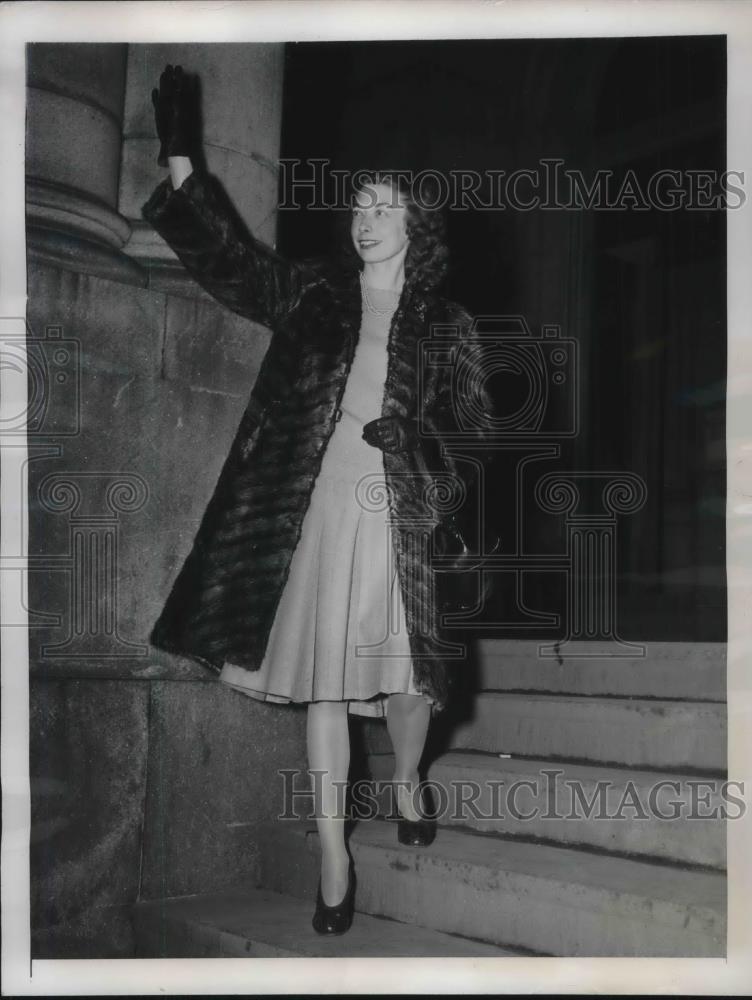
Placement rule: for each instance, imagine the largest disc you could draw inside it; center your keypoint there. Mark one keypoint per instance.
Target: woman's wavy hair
(427, 258)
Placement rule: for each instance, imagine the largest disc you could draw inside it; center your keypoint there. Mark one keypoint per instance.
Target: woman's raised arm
(193, 214)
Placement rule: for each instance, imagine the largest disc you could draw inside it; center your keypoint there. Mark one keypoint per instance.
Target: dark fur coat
(222, 603)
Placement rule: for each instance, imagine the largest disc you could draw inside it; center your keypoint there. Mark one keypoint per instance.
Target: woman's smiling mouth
(365, 244)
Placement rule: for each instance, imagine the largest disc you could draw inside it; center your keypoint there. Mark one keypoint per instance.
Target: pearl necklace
(369, 304)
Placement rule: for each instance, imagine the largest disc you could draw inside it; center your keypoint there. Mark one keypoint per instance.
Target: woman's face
(379, 223)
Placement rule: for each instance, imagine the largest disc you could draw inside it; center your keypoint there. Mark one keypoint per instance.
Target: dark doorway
(641, 287)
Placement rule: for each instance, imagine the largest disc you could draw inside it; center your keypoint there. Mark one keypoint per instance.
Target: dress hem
(374, 706)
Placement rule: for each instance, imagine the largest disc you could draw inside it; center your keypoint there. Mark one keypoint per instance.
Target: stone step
(687, 670)
(546, 900)
(265, 924)
(674, 735)
(633, 812)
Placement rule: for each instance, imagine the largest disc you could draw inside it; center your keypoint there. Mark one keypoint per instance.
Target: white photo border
(308, 20)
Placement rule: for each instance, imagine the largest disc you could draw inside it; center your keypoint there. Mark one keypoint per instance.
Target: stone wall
(148, 778)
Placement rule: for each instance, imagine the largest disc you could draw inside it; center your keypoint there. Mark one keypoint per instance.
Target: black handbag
(459, 582)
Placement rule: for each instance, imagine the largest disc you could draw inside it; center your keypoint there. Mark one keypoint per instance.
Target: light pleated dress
(339, 632)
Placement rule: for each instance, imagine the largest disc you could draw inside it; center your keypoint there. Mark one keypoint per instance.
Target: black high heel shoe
(416, 832)
(336, 919)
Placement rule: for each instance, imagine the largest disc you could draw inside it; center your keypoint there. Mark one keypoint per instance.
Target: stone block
(88, 752)
(166, 443)
(211, 348)
(214, 756)
(118, 329)
(251, 185)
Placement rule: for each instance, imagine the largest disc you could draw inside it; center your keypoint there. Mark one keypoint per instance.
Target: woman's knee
(407, 704)
(335, 710)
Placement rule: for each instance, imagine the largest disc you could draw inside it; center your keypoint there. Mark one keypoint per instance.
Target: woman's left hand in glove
(393, 434)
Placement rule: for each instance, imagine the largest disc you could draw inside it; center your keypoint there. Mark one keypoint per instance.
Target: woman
(301, 586)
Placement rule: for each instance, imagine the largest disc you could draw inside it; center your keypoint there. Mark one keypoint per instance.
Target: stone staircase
(564, 808)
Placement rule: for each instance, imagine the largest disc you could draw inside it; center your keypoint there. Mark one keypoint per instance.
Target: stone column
(74, 121)
(128, 381)
(241, 101)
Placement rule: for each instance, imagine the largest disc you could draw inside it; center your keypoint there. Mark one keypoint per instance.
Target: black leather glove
(392, 434)
(176, 113)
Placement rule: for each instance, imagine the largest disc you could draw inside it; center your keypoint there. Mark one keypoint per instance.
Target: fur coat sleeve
(203, 228)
